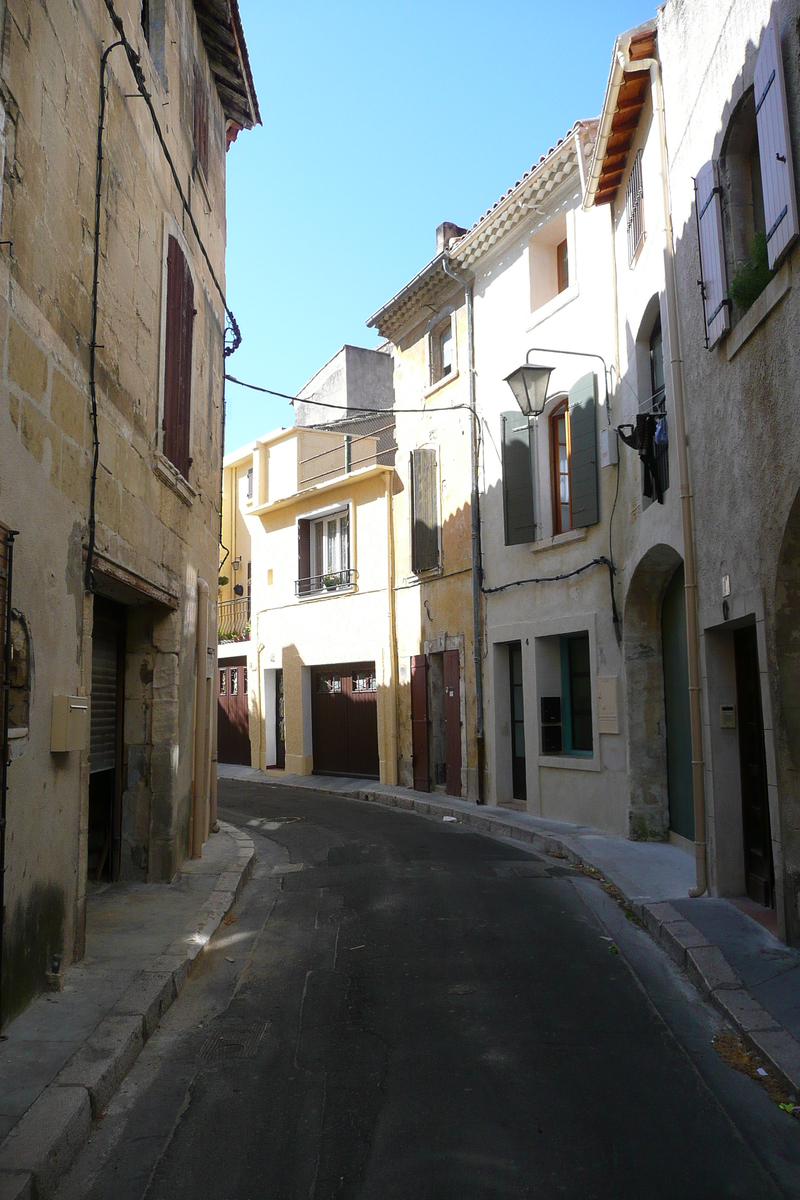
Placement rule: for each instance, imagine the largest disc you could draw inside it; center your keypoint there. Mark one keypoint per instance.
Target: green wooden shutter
(518, 503)
(583, 451)
(425, 515)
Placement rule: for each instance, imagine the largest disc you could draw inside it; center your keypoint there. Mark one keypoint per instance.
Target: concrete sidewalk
(752, 978)
(67, 1053)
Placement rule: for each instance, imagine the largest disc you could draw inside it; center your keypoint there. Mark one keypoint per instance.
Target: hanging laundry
(642, 438)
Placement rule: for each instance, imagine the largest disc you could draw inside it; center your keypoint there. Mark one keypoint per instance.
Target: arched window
(560, 473)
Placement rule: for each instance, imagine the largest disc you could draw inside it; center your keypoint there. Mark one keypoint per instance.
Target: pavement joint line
(45, 1141)
(680, 939)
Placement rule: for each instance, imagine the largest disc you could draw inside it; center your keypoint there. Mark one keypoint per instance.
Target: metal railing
(233, 619)
(331, 581)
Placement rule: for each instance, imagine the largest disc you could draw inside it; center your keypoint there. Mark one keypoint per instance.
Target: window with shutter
(303, 558)
(518, 476)
(424, 511)
(583, 452)
(178, 359)
(716, 305)
(774, 146)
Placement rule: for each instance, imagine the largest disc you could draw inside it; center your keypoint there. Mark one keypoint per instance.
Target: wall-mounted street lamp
(529, 384)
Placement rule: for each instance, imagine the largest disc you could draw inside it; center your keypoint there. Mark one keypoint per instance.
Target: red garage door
(233, 726)
(344, 719)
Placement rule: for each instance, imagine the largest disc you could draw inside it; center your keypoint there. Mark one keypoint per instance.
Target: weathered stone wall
(741, 402)
(148, 522)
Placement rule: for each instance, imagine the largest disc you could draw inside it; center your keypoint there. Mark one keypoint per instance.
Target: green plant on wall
(752, 276)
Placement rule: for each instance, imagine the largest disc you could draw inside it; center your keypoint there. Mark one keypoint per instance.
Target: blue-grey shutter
(517, 480)
(583, 451)
(775, 147)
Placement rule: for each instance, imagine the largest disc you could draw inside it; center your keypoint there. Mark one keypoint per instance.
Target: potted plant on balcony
(331, 581)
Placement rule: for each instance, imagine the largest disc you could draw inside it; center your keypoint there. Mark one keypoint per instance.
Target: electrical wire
(134, 60)
(351, 408)
(602, 561)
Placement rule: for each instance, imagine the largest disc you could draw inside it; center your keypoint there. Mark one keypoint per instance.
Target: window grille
(634, 208)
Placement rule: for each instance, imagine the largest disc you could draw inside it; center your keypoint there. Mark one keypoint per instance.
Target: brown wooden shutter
(425, 511)
(419, 721)
(303, 557)
(712, 254)
(178, 359)
(774, 147)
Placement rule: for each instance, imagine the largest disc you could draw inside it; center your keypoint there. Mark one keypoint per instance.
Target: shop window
(565, 694)
(329, 685)
(223, 687)
(249, 483)
(364, 681)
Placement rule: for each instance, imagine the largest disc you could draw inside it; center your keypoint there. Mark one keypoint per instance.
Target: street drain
(235, 1041)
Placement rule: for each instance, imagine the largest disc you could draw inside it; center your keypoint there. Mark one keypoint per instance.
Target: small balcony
(331, 581)
(233, 619)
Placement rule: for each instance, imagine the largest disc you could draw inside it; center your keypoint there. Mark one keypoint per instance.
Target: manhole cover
(234, 1041)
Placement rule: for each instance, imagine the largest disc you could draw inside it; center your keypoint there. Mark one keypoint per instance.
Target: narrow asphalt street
(402, 1009)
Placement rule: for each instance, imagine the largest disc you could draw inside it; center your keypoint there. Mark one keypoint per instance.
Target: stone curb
(45, 1141)
(703, 962)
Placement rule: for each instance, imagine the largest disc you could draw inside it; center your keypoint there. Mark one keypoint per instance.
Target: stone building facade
(108, 622)
(733, 131)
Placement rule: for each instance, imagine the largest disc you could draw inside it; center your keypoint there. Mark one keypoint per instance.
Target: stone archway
(648, 803)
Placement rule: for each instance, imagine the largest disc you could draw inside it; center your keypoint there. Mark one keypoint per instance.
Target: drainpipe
(198, 785)
(477, 569)
(676, 366)
(391, 756)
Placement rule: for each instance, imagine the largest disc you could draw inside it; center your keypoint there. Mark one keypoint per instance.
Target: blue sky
(380, 122)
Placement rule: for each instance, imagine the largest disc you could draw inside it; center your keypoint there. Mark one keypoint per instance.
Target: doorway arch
(647, 709)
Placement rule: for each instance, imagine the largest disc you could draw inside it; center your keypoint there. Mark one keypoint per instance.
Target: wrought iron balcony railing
(331, 581)
(233, 619)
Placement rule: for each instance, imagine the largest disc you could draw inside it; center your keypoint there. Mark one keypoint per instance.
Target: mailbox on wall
(70, 724)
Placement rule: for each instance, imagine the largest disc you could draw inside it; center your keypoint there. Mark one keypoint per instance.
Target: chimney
(445, 232)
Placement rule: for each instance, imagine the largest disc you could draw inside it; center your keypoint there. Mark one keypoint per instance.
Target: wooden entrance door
(344, 720)
(233, 724)
(452, 722)
(680, 787)
(759, 878)
(419, 721)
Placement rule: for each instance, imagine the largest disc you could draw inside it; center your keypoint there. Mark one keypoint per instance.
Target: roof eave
(615, 80)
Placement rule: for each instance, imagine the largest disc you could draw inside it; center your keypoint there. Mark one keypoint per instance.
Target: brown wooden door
(452, 721)
(344, 719)
(233, 725)
(759, 879)
(419, 721)
(105, 739)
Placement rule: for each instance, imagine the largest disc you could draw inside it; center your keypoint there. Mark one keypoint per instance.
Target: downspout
(198, 784)
(690, 576)
(477, 568)
(393, 663)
